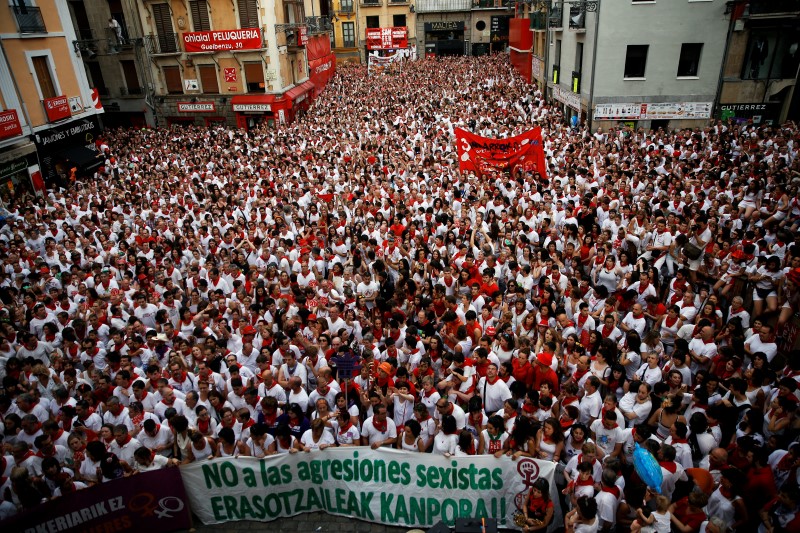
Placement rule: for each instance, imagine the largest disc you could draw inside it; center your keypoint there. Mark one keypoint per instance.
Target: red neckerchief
(577, 375)
(607, 331)
(668, 323)
(637, 317)
(248, 424)
(345, 429)
(127, 440)
(429, 394)
(611, 490)
(670, 466)
(643, 287)
(380, 427)
(676, 440)
(584, 482)
(582, 320)
(27, 456)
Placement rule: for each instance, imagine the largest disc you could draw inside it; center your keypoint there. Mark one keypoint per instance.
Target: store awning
(81, 156)
(299, 93)
(251, 99)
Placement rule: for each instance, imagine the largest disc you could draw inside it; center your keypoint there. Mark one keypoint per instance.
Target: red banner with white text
(483, 155)
(387, 38)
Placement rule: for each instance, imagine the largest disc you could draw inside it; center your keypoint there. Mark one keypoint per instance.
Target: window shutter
(42, 69)
(172, 78)
(200, 19)
(248, 13)
(208, 78)
(254, 72)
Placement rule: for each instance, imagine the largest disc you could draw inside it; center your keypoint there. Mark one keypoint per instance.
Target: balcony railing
(433, 6)
(163, 43)
(29, 19)
(491, 4)
(131, 91)
(577, 18)
(556, 19)
(538, 21)
(317, 25)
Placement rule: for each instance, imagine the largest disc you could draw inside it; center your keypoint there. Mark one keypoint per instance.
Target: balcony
(163, 43)
(538, 21)
(577, 19)
(771, 8)
(556, 19)
(131, 91)
(435, 6)
(318, 25)
(491, 4)
(371, 3)
(29, 19)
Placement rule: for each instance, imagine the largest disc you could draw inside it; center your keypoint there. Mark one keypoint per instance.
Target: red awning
(296, 92)
(253, 99)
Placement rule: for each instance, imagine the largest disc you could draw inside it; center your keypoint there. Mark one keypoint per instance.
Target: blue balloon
(648, 468)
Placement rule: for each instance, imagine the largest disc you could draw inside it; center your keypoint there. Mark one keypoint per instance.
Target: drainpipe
(589, 111)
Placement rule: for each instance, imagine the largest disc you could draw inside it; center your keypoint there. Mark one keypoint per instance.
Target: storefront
(195, 114)
(570, 101)
(16, 166)
(69, 147)
(444, 38)
(300, 97)
(757, 112)
(256, 109)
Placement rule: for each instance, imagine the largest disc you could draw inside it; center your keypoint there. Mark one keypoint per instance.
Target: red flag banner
(482, 155)
(387, 38)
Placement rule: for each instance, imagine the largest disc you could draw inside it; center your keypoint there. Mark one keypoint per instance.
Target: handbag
(692, 251)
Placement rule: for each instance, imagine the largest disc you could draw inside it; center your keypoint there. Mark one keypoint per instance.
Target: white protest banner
(386, 486)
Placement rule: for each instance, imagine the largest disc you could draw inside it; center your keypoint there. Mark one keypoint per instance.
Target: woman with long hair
(550, 440)
(538, 509)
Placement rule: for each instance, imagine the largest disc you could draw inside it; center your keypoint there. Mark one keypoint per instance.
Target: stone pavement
(304, 523)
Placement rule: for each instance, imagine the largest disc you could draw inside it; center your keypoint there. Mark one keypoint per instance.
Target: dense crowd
(338, 282)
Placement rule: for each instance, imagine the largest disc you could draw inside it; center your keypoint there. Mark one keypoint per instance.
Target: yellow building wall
(60, 51)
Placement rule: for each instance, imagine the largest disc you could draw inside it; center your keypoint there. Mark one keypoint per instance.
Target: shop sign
(758, 112)
(656, 111)
(252, 107)
(445, 26)
(567, 97)
(12, 167)
(57, 108)
(214, 41)
(9, 124)
(196, 107)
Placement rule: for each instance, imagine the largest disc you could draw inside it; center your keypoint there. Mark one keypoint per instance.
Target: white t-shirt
(307, 440)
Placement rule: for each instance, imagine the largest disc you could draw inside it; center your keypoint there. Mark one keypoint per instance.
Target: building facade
(49, 119)
(206, 62)
(109, 41)
(605, 61)
(463, 27)
(394, 19)
(762, 63)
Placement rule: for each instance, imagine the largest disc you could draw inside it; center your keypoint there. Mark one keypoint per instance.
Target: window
(44, 76)
(115, 8)
(373, 21)
(772, 53)
(398, 21)
(690, 59)
(349, 34)
(346, 6)
(162, 19)
(208, 78)
(254, 76)
(131, 77)
(248, 13)
(200, 20)
(96, 75)
(172, 79)
(579, 57)
(636, 60)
